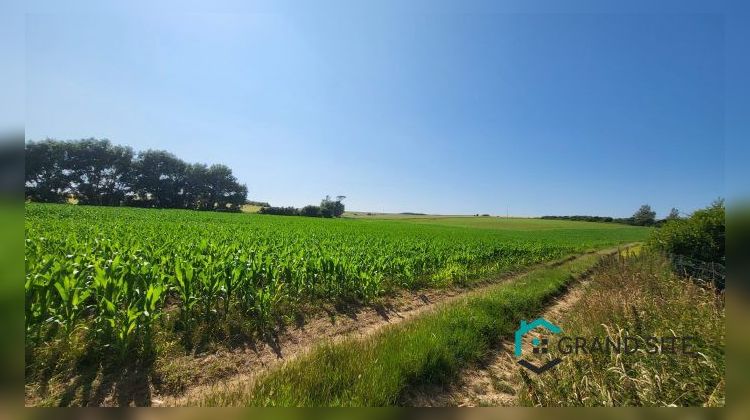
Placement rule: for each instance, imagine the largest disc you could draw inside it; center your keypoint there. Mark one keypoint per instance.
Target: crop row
(116, 271)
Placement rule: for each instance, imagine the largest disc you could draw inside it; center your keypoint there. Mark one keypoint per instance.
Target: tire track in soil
(496, 380)
(244, 364)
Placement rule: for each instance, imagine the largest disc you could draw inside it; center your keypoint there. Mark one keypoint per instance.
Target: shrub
(279, 211)
(700, 237)
(327, 208)
(310, 211)
(583, 218)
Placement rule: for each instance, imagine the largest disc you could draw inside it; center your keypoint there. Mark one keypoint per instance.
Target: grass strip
(430, 349)
(639, 297)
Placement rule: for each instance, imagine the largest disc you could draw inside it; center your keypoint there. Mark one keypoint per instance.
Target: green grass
(431, 349)
(639, 297)
(126, 263)
(113, 282)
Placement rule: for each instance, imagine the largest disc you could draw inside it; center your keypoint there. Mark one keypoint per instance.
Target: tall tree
(644, 216)
(45, 179)
(674, 214)
(198, 195)
(225, 192)
(159, 179)
(97, 171)
(332, 208)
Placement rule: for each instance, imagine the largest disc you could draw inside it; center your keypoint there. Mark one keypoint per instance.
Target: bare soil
(231, 367)
(493, 383)
(497, 379)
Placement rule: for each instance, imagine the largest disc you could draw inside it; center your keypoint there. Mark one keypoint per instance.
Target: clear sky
(435, 108)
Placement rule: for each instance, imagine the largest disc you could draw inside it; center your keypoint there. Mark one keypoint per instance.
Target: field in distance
(496, 223)
(119, 281)
(217, 263)
(251, 208)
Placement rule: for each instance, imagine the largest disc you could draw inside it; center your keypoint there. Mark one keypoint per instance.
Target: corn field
(116, 272)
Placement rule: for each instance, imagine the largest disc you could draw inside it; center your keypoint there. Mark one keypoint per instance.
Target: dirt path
(242, 365)
(496, 381)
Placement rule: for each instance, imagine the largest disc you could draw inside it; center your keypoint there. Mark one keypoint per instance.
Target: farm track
(496, 380)
(238, 366)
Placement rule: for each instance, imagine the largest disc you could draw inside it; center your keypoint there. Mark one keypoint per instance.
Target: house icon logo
(540, 344)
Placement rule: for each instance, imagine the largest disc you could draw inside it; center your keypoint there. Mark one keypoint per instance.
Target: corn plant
(120, 270)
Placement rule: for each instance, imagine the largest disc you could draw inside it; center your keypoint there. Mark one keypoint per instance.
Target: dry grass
(250, 208)
(639, 296)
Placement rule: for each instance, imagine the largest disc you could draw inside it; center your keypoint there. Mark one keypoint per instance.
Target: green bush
(310, 211)
(700, 237)
(279, 211)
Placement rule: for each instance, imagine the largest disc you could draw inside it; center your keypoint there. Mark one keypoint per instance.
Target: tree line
(327, 208)
(644, 216)
(97, 172)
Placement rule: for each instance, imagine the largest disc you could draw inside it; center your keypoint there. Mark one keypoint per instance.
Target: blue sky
(434, 108)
